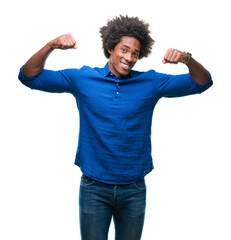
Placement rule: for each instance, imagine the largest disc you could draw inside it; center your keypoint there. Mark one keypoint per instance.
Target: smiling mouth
(126, 66)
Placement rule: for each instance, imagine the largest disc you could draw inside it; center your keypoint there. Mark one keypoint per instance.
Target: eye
(135, 54)
(124, 50)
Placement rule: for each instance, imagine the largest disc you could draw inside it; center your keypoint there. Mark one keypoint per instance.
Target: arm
(35, 64)
(196, 71)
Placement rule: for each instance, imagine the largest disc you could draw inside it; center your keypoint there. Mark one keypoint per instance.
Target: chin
(124, 73)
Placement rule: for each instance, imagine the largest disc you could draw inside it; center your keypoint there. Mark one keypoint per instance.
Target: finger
(61, 42)
(71, 41)
(168, 55)
(67, 41)
(177, 58)
(72, 38)
(173, 56)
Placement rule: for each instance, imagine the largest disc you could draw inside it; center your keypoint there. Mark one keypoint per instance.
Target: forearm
(197, 72)
(36, 63)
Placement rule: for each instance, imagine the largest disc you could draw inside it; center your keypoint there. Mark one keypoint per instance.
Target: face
(124, 56)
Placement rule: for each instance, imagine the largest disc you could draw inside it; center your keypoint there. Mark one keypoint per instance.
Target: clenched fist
(65, 41)
(175, 56)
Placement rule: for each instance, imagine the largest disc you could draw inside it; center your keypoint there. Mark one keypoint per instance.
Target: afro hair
(118, 27)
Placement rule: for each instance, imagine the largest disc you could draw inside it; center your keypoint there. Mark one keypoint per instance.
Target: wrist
(50, 47)
(187, 58)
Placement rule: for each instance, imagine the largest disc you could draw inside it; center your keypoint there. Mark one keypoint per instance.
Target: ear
(109, 51)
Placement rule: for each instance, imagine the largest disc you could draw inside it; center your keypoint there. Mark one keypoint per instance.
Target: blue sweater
(115, 116)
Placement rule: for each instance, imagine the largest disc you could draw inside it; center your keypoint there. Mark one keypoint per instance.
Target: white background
(189, 190)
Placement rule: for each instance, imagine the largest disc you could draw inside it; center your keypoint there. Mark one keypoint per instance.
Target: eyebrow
(130, 48)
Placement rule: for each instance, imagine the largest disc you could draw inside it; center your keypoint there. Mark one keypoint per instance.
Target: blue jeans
(99, 202)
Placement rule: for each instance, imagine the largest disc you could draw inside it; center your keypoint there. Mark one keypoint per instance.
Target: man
(115, 110)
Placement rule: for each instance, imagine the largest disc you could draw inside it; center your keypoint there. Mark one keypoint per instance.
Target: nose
(128, 57)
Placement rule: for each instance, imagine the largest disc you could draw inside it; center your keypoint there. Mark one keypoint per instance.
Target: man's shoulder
(137, 73)
(86, 68)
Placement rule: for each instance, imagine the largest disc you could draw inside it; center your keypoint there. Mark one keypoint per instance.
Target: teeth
(125, 65)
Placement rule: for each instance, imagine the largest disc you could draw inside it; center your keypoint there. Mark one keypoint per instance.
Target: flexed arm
(196, 71)
(36, 63)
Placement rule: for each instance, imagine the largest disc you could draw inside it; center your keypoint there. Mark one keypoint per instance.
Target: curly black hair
(118, 27)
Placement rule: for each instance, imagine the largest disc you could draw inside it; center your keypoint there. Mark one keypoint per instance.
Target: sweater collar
(108, 73)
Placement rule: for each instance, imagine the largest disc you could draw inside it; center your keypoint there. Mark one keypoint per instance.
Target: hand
(63, 42)
(175, 56)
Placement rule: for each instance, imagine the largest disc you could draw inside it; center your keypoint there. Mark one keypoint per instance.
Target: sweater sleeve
(48, 81)
(179, 85)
